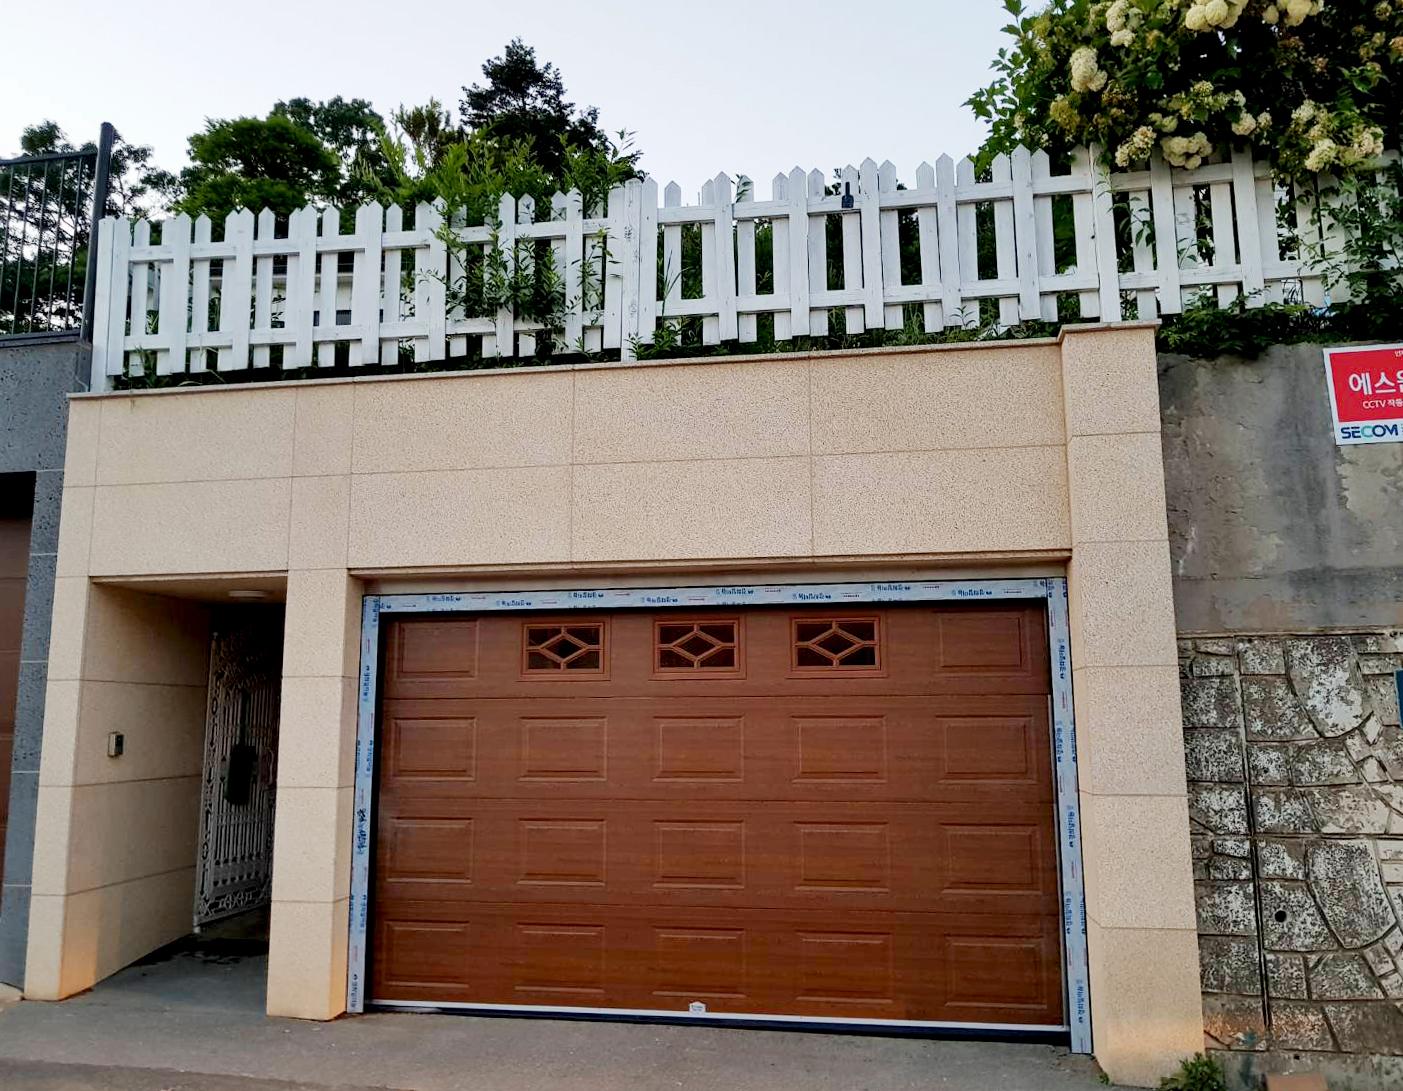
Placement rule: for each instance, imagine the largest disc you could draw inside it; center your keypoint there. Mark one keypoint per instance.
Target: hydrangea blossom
(1137, 148)
(1216, 14)
(1188, 78)
(1086, 74)
(1186, 151)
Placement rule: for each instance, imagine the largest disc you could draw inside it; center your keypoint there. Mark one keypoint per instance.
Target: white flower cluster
(1324, 153)
(1122, 21)
(1138, 147)
(1246, 125)
(1087, 75)
(1215, 14)
(1291, 12)
(1185, 151)
(1333, 140)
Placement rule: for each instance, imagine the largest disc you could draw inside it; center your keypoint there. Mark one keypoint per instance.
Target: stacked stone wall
(1294, 757)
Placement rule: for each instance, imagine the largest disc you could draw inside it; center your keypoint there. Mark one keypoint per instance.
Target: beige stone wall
(115, 838)
(1141, 937)
(931, 453)
(960, 461)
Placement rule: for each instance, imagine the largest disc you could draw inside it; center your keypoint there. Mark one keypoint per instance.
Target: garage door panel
(881, 966)
(430, 747)
(849, 748)
(422, 954)
(781, 855)
(993, 973)
(951, 648)
(832, 812)
(437, 850)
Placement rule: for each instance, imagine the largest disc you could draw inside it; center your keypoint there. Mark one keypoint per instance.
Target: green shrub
(1197, 1073)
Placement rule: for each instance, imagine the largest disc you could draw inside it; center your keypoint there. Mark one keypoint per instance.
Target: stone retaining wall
(1294, 757)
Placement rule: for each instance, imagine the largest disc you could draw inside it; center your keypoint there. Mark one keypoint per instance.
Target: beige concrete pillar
(317, 730)
(114, 852)
(1146, 1011)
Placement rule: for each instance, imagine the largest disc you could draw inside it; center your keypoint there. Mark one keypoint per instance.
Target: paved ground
(192, 1021)
(47, 1076)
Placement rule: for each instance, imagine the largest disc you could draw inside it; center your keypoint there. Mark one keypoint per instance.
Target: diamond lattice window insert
(564, 647)
(835, 643)
(696, 646)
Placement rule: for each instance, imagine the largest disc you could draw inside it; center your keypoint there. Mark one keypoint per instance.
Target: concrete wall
(1288, 577)
(35, 381)
(971, 458)
(1272, 527)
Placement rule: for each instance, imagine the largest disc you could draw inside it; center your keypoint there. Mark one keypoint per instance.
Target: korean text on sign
(1365, 385)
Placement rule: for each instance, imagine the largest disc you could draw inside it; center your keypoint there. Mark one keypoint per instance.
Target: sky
(749, 88)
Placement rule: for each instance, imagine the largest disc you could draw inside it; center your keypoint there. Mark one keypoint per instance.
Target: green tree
(523, 101)
(351, 128)
(257, 163)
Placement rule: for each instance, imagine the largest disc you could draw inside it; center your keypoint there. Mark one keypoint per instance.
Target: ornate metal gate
(234, 869)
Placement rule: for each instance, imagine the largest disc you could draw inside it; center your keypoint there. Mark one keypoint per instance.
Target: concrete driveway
(193, 1021)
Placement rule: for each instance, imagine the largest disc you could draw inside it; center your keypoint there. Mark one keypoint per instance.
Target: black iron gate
(234, 865)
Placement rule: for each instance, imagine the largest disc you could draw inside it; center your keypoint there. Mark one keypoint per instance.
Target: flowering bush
(1313, 85)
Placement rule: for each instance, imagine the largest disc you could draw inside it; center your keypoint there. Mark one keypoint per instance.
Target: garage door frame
(1053, 590)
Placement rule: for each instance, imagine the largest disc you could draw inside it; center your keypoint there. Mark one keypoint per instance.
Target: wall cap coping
(1100, 327)
(634, 365)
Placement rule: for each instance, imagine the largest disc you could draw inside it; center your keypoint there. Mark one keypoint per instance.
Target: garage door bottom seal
(892, 1028)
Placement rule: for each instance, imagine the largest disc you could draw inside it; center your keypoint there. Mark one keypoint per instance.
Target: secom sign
(1366, 393)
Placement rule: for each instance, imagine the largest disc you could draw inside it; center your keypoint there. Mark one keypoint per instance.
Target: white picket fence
(283, 296)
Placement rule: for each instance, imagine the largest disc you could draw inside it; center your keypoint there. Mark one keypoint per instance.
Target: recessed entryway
(238, 789)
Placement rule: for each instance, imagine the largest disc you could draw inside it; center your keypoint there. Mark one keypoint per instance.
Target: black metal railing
(49, 205)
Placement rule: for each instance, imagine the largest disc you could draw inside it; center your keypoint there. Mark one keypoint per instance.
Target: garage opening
(802, 811)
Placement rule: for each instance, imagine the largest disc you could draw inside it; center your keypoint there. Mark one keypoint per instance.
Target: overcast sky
(746, 87)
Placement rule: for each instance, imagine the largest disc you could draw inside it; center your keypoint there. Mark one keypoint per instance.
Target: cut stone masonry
(1294, 757)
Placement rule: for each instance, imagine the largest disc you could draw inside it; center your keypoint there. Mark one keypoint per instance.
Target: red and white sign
(1366, 393)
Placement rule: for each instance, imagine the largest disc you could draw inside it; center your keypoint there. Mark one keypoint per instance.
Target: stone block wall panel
(1294, 756)
(35, 381)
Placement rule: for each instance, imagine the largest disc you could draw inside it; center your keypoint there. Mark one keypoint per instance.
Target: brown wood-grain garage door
(833, 814)
(15, 505)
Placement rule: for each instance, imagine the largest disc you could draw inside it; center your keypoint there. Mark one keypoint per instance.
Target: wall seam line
(570, 548)
(813, 465)
(545, 465)
(130, 780)
(120, 882)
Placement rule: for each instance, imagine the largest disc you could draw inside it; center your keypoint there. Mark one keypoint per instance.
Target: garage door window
(689, 647)
(576, 648)
(836, 643)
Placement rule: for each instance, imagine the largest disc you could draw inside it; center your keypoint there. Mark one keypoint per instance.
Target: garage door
(799, 812)
(14, 565)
